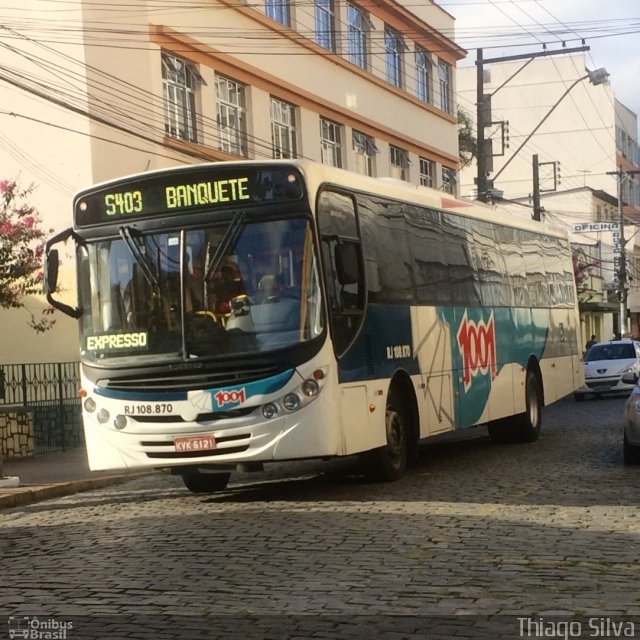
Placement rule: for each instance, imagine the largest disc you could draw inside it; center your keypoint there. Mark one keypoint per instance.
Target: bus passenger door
(431, 346)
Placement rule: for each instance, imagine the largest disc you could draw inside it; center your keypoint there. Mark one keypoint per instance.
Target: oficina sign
(587, 227)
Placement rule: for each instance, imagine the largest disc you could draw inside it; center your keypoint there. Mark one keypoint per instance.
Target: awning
(599, 306)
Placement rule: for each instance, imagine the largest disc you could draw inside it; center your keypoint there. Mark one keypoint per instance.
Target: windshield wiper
(127, 234)
(230, 236)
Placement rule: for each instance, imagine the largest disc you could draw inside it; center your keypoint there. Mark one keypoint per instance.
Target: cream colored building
(107, 89)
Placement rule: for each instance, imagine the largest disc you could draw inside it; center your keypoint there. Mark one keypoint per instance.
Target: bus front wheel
(199, 482)
(389, 462)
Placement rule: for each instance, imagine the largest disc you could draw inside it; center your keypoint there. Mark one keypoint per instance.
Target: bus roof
(317, 174)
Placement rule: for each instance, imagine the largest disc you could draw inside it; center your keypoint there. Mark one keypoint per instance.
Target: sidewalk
(51, 475)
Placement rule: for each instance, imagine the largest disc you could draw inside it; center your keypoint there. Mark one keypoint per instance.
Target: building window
(232, 132)
(427, 172)
(394, 47)
(424, 64)
(283, 129)
(365, 151)
(358, 27)
(399, 161)
(324, 19)
(444, 73)
(330, 143)
(179, 82)
(448, 180)
(279, 11)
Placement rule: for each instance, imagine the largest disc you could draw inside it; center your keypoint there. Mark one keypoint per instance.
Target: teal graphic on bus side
(483, 341)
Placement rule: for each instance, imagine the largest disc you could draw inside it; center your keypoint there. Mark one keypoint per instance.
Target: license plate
(205, 442)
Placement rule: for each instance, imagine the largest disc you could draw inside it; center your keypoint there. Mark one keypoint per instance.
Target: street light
(599, 76)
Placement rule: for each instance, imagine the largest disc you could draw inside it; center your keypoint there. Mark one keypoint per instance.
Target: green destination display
(197, 188)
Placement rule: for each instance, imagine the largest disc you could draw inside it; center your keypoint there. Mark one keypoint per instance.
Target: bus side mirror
(347, 263)
(51, 272)
(51, 269)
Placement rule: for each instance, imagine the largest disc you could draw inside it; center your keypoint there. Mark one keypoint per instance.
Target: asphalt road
(478, 540)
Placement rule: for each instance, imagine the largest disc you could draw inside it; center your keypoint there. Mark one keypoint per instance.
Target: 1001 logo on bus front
(477, 344)
(232, 397)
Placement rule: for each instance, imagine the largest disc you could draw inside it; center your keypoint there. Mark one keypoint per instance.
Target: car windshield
(221, 290)
(611, 352)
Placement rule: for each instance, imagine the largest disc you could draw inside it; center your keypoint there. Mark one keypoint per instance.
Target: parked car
(604, 365)
(631, 422)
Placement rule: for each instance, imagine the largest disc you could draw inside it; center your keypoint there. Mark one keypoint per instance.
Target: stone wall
(16, 433)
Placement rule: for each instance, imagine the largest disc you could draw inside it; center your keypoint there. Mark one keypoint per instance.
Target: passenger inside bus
(227, 285)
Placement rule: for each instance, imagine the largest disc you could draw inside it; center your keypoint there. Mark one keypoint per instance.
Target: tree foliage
(467, 142)
(21, 249)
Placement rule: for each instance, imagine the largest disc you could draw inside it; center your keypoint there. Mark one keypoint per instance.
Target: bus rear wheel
(389, 462)
(524, 427)
(200, 482)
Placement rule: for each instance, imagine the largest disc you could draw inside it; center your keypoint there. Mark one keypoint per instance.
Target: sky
(611, 28)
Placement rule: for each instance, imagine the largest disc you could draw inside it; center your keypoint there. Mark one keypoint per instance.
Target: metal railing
(50, 391)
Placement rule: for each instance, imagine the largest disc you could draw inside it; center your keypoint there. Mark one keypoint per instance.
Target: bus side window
(342, 266)
(349, 274)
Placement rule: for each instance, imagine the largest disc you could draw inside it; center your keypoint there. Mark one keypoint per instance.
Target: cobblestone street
(542, 530)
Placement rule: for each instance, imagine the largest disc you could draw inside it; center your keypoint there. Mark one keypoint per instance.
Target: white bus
(233, 314)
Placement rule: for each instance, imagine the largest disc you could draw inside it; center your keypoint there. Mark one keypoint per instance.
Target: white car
(605, 363)
(631, 422)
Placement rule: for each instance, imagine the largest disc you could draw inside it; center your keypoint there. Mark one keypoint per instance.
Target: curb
(27, 495)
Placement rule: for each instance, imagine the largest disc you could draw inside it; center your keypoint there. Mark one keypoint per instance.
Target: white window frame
(394, 47)
(231, 114)
(444, 76)
(427, 172)
(365, 150)
(424, 75)
(180, 80)
(331, 143)
(324, 19)
(399, 163)
(283, 129)
(449, 179)
(278, 10)
(358, 28)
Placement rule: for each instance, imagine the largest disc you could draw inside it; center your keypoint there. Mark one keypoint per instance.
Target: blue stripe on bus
(383, 345)
(225, 398)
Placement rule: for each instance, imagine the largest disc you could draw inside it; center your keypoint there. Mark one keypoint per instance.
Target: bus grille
(188, 379)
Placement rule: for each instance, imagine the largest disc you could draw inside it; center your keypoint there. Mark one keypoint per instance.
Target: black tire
(388, 463)
(524, 427)
(630, 452)
(199, 482)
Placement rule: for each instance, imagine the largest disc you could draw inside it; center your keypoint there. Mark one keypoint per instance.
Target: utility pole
(484, 155)
(537, 209)
(622, 267)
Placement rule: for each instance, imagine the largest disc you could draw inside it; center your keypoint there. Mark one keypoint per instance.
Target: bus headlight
(89, 405)
(120, 422)
(269, 411)
(310, 388)
(291, 402)
(103, 416)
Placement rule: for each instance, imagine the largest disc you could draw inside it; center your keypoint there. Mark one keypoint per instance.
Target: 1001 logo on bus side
(477, 343)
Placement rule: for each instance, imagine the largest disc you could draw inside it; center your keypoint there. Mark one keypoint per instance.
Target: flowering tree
(21, 249)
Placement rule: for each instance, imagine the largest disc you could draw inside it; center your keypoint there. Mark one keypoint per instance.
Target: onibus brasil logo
(34, 628)
(477, 344)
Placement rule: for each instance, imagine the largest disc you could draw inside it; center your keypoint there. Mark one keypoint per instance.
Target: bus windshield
(224, 289)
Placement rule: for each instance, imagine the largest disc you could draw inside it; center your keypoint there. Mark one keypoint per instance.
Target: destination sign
(203, 187)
